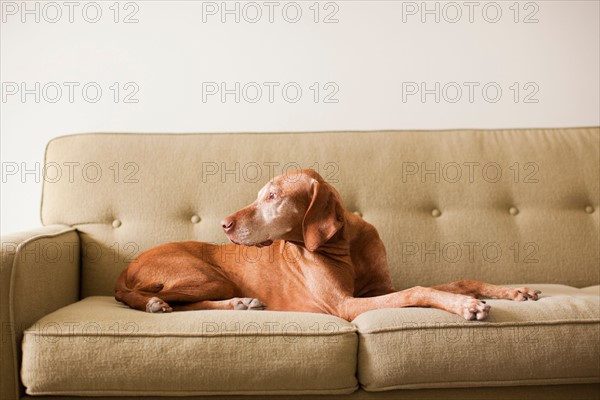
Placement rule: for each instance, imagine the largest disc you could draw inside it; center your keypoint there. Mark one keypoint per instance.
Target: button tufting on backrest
(513, 211)
(357, 213)
(116, 223)
(195, 219)
(589, 209)
(160, 209)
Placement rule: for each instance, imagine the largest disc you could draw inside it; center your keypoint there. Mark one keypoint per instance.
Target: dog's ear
(323, 218)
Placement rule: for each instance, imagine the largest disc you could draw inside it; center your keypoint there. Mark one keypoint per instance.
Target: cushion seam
(480, 325)
(506, 382)
(306, 391)
(161, 335)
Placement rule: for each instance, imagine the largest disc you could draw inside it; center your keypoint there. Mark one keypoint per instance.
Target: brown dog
(323, 259)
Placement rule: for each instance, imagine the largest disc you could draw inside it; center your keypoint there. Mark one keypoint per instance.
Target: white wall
(371, 55)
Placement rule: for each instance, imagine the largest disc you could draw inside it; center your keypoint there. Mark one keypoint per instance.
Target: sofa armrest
(39, 273)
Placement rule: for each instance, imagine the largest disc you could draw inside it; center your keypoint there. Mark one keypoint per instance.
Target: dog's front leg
(487, 290)
(467, 307)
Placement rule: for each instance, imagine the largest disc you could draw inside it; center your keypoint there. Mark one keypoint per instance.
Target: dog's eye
(272, 196)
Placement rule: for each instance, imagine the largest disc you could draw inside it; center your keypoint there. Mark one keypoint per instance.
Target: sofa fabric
(550, 392)
(502, 206)
(101, 347)
(39, 274)
(554, 340)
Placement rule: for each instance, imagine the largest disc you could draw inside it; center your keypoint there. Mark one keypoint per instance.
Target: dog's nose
(228, 224)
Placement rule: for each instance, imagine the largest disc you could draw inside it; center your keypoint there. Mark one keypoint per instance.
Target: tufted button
(195, 219)
(116, 223)
(589, 209)
(357, 213)
(513, 211)
(436, 213)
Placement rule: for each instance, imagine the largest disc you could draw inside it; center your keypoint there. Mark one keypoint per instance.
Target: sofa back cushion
(505, 206)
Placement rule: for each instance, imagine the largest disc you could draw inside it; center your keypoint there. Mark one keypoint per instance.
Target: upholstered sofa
(505, 206)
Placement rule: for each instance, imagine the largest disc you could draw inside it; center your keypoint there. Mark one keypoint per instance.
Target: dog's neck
(338, 247)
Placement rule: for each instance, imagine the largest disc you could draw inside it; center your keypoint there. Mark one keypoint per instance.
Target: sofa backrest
(505, 206)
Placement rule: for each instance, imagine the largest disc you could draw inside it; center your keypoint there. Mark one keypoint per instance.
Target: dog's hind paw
(156, 305)
(248, 303)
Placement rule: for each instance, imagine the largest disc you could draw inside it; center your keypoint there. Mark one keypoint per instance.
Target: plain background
(357, 65)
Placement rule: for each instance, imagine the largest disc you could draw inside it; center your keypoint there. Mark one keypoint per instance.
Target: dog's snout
(228, 224)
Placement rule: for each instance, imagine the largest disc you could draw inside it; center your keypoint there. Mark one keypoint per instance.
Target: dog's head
(298, 206)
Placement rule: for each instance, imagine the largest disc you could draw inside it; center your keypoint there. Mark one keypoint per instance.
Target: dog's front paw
(248, 303)
(523, 294)
(156, 305)
(473, 309)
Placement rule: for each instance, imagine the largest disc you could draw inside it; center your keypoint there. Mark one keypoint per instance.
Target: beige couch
(504, 206)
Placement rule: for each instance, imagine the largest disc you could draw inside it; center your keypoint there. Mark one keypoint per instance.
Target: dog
(310, 254)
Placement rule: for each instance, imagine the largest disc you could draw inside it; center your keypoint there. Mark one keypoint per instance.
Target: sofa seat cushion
(100, 347)
(554, 340)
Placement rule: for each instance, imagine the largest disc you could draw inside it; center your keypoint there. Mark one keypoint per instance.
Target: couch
(515, 206)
